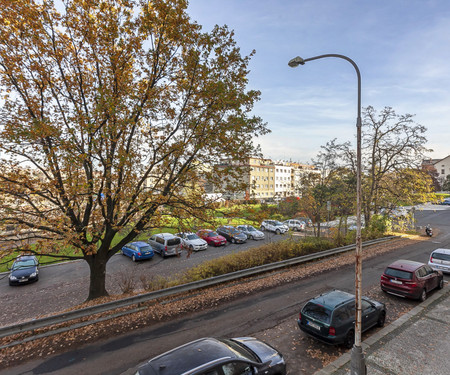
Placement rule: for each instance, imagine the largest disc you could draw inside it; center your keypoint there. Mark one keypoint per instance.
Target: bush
(269, 253)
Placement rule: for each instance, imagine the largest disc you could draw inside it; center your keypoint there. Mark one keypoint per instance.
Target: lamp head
(296, 61)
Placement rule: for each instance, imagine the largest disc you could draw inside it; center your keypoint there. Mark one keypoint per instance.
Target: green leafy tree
(112, 111)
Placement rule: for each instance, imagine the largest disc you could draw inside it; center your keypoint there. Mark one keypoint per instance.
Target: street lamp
(357, 356)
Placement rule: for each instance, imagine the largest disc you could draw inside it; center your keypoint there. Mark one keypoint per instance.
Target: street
(269, 315)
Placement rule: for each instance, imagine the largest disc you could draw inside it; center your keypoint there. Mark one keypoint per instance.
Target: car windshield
(192, 237)
(233, 230)
(23, 264)
(318, 312)
(251, 229)
(212, 234)
(277, 223)
(243, 350)
(398, 273)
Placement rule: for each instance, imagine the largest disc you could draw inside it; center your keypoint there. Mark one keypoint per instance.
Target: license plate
(22, 280)
(312, 324)
(396, 282)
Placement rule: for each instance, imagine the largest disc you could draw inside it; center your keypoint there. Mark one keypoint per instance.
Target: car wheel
(381, 319)
(133, 258)
(441, 284)
(278, 231)
(349, 339)
(423, 295)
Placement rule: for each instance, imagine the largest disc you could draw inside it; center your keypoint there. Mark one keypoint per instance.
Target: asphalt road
(269, 315)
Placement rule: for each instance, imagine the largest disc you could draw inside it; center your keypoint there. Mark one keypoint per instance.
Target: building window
(442, 171)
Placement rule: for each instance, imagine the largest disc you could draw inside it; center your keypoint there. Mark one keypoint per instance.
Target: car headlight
(33, 274)
(11, 277)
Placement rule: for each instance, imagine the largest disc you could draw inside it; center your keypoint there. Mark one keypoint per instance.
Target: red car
(406, 278)
(213, 238)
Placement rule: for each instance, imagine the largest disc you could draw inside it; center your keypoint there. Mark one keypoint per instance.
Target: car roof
(164, 235)
(333, 298)
(406, 265)
(21, 258)
(139, 243)
(442, 251)
(191, 355)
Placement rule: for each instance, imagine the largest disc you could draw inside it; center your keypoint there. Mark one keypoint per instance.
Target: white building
(283, 180)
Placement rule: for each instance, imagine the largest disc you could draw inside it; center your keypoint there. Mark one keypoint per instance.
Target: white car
(191, 241)
(274, 226)
(295, 224)
(251, 232)
(440, 260)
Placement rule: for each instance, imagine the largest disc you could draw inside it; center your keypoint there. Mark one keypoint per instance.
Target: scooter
(429, 231)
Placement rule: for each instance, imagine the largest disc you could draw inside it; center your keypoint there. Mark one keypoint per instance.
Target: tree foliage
(112, 111)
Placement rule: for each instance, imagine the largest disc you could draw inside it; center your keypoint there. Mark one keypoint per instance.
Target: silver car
(295, 224)
(440, 260)
(251, 232)
(165, 244)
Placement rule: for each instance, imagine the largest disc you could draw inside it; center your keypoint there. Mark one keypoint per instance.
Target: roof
(443, 251)
(333, 298)
(140, 243)
(405, 265)
(182, 358)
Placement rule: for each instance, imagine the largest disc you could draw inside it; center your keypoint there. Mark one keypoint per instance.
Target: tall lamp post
(357, 356)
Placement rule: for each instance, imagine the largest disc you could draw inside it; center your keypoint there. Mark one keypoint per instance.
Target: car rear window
(398, 273)
(318, 312)
(173, 241)
(441, 256)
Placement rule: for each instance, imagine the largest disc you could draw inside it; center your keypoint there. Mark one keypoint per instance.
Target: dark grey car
(330, 317)
(211, 356)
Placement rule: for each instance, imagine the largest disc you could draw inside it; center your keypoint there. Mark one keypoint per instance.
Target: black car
(211, 356)
(330, 317)
(24, 270)
(232, 234)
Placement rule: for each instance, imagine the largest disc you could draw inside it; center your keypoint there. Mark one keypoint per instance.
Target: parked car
(406, 278)
(274, 226)
(24, 270)
(192, 242)
(330, 317)
(138, 250)
(446, 201)
(307, 220)
(165, 244)
(251, 232)
(399, 213)
(211, 356)
(212, 237)
(232, 234)
(295, 224)
(440, 260)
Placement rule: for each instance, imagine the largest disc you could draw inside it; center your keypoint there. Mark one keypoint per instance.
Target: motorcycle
(429, 231)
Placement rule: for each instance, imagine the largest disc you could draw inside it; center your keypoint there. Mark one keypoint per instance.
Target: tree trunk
(97, 284)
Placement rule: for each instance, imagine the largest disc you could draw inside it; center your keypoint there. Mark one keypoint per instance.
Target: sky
(402, 49)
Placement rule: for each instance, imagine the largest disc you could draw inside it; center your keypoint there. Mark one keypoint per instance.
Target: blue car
(138, 250)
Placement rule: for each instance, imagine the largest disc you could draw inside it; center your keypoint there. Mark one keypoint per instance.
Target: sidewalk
(418, 343)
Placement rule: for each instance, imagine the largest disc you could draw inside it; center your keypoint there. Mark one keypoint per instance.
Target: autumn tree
(392, 145)
(112, 113)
